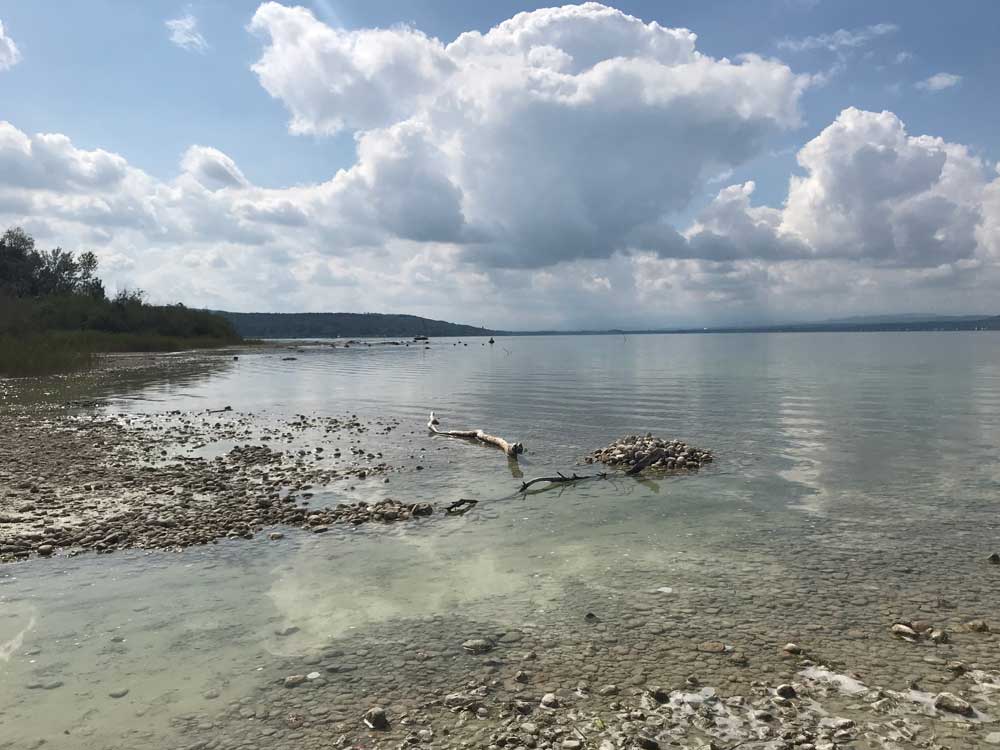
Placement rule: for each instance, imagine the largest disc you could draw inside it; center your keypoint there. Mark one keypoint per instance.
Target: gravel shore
(101, 483)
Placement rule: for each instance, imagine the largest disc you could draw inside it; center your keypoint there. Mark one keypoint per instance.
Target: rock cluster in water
(666, 455)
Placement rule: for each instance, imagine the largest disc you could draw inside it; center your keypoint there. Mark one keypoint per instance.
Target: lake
(855, 486)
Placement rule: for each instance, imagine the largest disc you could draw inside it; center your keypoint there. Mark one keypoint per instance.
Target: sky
(513, 164)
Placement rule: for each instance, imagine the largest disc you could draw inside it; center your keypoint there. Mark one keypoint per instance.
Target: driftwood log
(511, 449)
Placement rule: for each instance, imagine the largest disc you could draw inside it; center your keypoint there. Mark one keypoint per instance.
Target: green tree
(19, 263)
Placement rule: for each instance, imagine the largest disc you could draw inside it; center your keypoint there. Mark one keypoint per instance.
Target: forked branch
(561, 478)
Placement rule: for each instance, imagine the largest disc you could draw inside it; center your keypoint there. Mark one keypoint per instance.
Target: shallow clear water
(855, 481)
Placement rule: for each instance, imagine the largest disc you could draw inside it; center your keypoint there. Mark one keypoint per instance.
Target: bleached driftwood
(511, 449)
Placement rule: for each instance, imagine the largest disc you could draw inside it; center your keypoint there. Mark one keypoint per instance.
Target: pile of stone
(638, 452)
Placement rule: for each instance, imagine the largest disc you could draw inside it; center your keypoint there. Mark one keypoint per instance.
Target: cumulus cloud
(184, 33)
(535, 171)
(52, 162)
(839, 39)
(10, 55)
(212, 169)
(939, 82)
(332, 79)
(534, 138)
(871, 193)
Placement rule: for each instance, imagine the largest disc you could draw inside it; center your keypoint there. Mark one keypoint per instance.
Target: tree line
(56, 290)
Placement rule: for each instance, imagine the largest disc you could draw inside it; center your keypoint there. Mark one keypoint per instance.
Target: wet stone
(376, 718)
(478, 645)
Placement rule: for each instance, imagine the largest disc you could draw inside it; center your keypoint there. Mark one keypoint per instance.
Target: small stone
(478, 645)
(549, 700)
(905, 632)
(939, 636)
(607, 690)
(953, 704)
(521, 676)
(647, 743)
(294, 680)
(44, 685)
(659, 694)
(290, 630)
(45, 550)
(712, 647)
(121, 693)
(571, 744)
(978, 626)
(786, 691)
(375, 718)
(994, 558)
(792, 648)
(275, 536)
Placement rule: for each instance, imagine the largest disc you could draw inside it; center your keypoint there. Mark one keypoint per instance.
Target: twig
(460, 507)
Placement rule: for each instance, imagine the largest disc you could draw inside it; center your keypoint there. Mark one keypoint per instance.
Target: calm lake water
(856, 481)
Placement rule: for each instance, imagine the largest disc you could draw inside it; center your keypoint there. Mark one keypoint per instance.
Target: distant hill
(343, 325)
(859, 325)
(922, 318)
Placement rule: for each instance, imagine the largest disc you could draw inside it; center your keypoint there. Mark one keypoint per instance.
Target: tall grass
(57, 352)
(40, 355)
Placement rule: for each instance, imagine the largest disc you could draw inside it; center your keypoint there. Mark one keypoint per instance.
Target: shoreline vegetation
(55, 315)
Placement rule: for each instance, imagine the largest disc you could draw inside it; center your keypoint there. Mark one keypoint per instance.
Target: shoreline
(103, 483)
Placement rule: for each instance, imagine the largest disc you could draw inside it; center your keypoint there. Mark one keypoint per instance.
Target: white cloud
(212, 169)
(51, 162)
(839, 39)
(333, 79)
(10, 55)
(872, 194)
(535, 173)
(902, 57)
(537, 135)
(184, 33)
(939, 82)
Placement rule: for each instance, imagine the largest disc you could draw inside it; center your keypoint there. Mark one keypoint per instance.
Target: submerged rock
(478, 645)
(953, 704)
(376, 718)
(901, 630)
